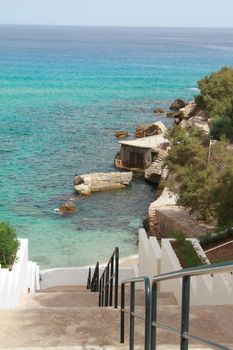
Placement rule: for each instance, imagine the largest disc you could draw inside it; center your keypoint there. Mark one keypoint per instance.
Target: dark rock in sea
(159, 111)
(145, 130)
(173, 114)
(177, 104)
(67, 208)
(121, 134)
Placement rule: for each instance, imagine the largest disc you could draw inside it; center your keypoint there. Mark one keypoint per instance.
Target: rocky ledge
(88, 183)
(191, 116)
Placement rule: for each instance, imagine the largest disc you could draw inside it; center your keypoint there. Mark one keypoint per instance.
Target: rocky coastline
(95, 182)
(164, 208)
(146, 154)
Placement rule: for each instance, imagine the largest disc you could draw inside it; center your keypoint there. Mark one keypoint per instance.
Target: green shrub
(208, 238)
(8, 245)
(185, 251)
(216, 99)
(203, 176)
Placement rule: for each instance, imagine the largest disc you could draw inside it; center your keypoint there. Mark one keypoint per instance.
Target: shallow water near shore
(64, 91)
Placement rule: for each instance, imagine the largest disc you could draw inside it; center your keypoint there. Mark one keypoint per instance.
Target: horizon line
(112, 26)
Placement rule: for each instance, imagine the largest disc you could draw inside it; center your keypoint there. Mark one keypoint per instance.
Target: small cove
(63, 94)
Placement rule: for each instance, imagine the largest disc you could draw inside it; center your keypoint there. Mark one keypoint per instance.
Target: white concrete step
(71, 299)
(65, 289)
(84, 298)
(93, 326)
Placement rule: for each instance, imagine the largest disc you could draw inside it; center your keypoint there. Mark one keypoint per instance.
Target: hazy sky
(204, 13)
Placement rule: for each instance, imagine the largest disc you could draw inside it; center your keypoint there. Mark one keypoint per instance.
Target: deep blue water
(64, 91)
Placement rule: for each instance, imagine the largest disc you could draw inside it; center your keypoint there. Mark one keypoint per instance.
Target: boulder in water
(121, 134)
(159, 111)
(177, 104)
(67, 208)
(146, 130)
(85, 184)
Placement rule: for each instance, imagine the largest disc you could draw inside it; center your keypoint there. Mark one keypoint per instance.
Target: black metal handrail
(186, 275)
(89, 279)
(132, 313)
(95, 279)
(93, 283)
(109, 280)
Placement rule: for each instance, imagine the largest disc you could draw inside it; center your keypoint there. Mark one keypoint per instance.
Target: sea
(64, 92)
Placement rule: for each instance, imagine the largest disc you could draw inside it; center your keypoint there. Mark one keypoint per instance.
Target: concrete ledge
(71, 276)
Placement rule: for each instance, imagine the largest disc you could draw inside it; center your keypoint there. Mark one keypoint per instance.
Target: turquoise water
(64, 91)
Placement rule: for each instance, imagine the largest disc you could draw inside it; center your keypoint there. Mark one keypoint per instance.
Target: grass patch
(185, 251)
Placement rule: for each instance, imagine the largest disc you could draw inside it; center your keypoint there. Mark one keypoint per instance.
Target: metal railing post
(185, 312)
(122, 313)
(111, 280)
(97, 277)
(147, 313)
(132, 310)
(116, 277)
(100, 289)
(89, 279)
(106, 286)
(103, 290)
(154, 303)
(146, 318)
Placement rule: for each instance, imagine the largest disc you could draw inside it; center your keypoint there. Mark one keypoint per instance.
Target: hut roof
(146, 142)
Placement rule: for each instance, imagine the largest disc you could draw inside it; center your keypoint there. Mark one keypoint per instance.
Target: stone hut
(138, 154)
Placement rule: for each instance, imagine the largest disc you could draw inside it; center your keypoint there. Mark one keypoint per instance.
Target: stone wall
(177, 218)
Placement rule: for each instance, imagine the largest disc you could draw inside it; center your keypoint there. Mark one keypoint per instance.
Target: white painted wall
(204, 290)
(24, 276)
(72, 276)
(149, 255)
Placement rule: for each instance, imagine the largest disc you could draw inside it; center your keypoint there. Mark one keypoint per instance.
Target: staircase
(67, 317)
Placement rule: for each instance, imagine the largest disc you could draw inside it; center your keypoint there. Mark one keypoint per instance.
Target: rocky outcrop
(177, 104)
(191, 116)
(154, 171)
(172, 114)
(159, 111)
(67, 208)
(85, 184)
(166, 199)
(188, 111)
(83, 189)
(157, 170)
(146, 130)
(165, 217)
(200, 121)
(121, 134)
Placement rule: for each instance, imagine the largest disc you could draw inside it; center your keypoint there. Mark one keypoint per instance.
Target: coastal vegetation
(218, 246)
(208, 239)
(9, 245)
(201, 172)
(216, 99)
(185, 251)
(201, 163)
